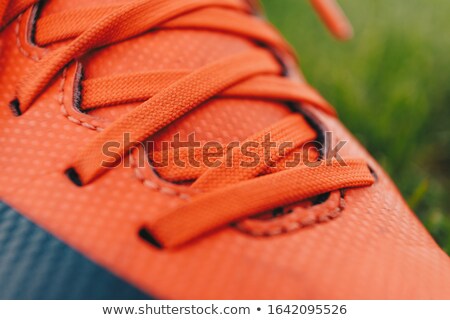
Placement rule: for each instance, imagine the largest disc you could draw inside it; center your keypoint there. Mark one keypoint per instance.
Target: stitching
(155, 186)
(63, 108)
(32, 56)
(137, 171)
(296, 225)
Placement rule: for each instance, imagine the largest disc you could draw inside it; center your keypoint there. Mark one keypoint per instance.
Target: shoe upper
(355, 243)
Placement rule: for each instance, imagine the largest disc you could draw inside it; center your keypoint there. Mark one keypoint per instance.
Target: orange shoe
(173, 147)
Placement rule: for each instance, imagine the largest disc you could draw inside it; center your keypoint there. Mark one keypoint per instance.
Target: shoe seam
(33, 56)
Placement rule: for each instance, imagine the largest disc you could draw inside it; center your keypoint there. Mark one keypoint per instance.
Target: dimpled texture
(36, 265)
(218, 120)
(376, 249)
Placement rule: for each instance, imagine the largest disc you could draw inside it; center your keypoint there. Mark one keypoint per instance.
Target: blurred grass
(391, 87)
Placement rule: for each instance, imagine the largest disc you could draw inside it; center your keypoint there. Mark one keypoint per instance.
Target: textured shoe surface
(368, 244)
(36, 265)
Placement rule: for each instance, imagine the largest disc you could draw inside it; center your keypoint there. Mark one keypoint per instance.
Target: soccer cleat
(174, 145)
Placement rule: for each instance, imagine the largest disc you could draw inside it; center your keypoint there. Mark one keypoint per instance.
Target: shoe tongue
(222, 120)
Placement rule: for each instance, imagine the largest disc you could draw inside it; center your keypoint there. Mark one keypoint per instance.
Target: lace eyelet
(14, 105)
(373, 173)
(74, 177)
(145, 235)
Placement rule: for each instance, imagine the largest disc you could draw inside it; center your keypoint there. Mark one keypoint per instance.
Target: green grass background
(391, 87)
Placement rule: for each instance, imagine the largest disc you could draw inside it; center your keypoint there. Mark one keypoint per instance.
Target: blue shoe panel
(36, 265)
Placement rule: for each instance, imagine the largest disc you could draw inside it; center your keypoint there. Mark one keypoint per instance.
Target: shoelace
(228, 194)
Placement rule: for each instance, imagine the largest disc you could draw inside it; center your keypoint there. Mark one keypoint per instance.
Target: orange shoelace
(228, 194)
